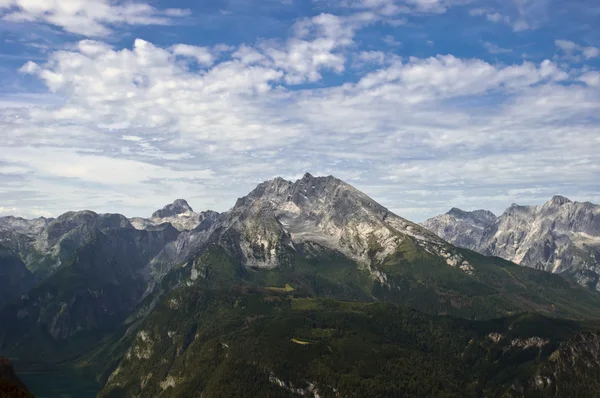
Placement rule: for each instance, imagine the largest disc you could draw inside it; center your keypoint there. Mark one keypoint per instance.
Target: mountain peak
(179, 206)
(181, 202)
(485, 216)
(322, 210)
(455, 211)
(559, 200)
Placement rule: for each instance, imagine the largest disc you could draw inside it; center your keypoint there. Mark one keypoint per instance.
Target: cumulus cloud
(313, 48)
(129, 129)
(86, 17)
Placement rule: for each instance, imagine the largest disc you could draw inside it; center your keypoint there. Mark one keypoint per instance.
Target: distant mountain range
(139, 300)
(560, 236)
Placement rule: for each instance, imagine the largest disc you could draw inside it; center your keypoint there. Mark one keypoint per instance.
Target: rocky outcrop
(560, 236)
(571, 371)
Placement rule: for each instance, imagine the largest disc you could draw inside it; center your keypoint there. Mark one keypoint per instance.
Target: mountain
(10, 385)
(319, 235)
(179, 214)
(560, 236)
(153, 310)
(81, 272)
(326, 238)
(325, 211)
(96, 273)
(462, 228)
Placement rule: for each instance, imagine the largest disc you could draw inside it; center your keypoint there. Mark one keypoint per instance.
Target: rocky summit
(179, 206)
(560, 236)
(179, 214)
(322, 210)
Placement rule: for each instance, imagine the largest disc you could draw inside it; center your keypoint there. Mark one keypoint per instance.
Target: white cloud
(371, 57)
(314, 47)
(8, 210)
(86, 17)
(575, 51)
(202, 55)
(566, 45)
(491, 15)
(592, 79)
(495, 49)
(129, 129)
(71, 163)
(393, 7)
(591, 52)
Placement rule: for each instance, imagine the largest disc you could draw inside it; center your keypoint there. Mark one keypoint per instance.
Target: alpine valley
(307, 288)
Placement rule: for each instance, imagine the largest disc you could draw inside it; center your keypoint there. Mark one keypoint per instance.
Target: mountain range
(308, 284)
(560, 236)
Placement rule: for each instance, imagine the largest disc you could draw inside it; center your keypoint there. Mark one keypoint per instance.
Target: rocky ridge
(96, 269)
(561, 236)
(91, 270)
(179, 214)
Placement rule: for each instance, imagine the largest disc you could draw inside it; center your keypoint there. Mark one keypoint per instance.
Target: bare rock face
(323, 210)
(179, 214)
(560, 236)
(26, 227)
(179, 206)
(462, 228)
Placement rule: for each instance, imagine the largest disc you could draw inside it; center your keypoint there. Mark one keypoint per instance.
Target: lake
(57, 383)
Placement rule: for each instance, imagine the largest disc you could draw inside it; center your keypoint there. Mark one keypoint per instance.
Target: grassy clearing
(296, 341)
(287, 289)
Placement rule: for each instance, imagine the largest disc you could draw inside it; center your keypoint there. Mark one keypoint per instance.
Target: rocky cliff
(560, 236)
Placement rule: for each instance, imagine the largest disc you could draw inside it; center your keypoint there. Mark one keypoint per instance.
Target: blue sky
(422, 104)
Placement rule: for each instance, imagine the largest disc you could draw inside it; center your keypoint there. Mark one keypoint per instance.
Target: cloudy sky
(121, 106)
